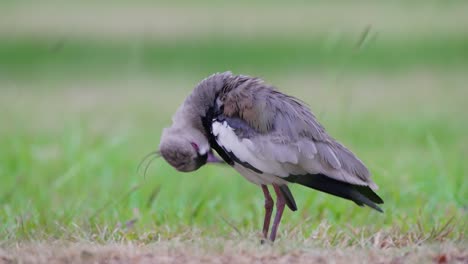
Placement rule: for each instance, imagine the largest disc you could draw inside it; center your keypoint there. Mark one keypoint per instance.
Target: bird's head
(184, 145)
(186, 149)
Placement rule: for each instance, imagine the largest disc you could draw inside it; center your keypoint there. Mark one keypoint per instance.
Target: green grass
(37, 57)
(78, 114)
(74, 176)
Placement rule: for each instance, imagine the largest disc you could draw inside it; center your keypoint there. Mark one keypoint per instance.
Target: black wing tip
(379, 200)
(361, 195)
(364, 202)
(364, 198)
(379, 210)
(369, 193)
(375, 207)
(289, 198)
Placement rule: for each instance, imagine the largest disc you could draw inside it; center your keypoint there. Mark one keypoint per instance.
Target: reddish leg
(268, 210)
(280, 203)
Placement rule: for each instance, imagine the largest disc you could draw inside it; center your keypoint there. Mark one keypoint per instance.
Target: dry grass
(70, 147)
(441, 244)
(219, 250)
(322, 246)
(404, 242)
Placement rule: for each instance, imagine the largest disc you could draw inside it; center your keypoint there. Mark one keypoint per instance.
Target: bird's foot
(266, 241)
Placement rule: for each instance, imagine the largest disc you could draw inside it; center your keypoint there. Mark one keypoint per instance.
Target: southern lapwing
(268, 137)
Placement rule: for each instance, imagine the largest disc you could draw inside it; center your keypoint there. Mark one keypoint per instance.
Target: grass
(78, 116)
(69, 168)
(232, 250)
(22, 57)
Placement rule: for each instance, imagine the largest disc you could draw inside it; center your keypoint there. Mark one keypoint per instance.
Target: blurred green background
(87, 86)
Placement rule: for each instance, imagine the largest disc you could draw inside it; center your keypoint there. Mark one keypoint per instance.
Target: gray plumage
(288, 133)
(176, 141)
(268, 137)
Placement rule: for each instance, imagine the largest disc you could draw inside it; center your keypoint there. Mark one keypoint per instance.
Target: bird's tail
(361, 195)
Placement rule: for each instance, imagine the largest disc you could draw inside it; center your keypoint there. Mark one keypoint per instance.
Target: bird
(270, 138)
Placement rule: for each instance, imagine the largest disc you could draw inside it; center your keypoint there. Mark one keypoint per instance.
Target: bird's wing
(277, 134)
(269, 153)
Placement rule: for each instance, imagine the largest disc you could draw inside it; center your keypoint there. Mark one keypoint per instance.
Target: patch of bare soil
(227, 251)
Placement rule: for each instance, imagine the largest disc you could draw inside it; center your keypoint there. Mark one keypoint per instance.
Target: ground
(230, 251)
(84, 96)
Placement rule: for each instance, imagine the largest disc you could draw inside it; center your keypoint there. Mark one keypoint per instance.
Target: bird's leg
(268, 210)
(280, 203)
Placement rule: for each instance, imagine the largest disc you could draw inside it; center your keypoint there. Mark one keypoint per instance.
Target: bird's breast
(258, 178)
(246, 162)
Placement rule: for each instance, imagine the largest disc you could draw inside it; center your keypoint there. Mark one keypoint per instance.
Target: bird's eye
(195, 146)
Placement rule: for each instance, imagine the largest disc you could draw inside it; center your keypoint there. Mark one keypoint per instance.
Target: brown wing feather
(288, 121)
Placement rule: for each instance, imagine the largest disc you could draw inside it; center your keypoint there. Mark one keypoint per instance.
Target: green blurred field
(84, 96)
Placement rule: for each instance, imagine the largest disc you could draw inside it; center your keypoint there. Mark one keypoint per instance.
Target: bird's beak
(213, 159)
